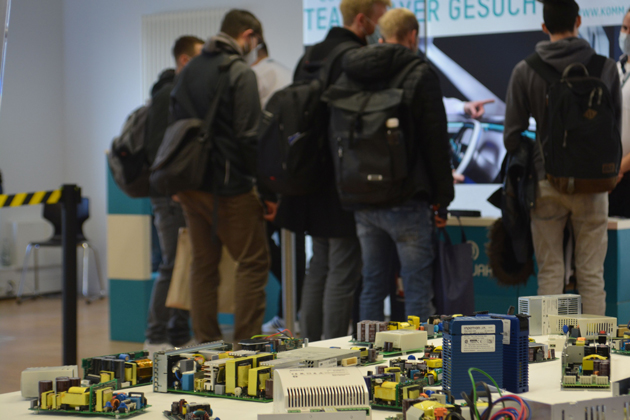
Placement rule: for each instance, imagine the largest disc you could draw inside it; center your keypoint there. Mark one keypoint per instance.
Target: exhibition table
(544, 385)
(490, 296)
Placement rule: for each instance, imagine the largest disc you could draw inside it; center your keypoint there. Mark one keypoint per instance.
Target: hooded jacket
(423, 118)
(526, 95)
(236, 122)
(157, 119)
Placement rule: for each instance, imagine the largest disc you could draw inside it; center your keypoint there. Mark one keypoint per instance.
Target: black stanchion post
(70, 197)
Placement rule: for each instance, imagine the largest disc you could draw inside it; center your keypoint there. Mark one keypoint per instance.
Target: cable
(474, 405)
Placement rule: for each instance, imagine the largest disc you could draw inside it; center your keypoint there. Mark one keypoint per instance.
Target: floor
(30, 336)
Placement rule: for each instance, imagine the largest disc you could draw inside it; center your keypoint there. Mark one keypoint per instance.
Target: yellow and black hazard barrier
(30, 199)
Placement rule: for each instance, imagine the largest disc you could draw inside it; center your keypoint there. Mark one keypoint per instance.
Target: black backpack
(187, 150)
(127, 156)
(368, 140)
(293, 129)
(582, 151)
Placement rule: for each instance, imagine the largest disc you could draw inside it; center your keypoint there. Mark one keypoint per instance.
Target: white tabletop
(544, 385)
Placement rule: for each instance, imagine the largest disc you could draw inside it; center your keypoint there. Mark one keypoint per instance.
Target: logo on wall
(475, 250)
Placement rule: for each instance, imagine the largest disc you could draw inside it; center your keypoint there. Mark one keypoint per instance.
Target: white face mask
(624, 43)
(252, 56)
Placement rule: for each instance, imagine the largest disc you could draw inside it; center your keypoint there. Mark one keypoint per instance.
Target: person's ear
(578, 22)
(545, 29)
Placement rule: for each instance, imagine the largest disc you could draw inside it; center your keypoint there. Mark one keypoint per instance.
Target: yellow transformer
(410, 392)
(106, 376)
(257, 379)
(76, 396)
(103, 396)
(414, 320)
(363, 350)
(386, 391)
(587, 362)
(395, 370)
(434, 363)
(237, 370)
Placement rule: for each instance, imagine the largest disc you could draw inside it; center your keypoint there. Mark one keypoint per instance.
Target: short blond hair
(351, 8)
(397, 23)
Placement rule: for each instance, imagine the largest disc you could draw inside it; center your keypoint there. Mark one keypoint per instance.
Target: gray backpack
(127, 156)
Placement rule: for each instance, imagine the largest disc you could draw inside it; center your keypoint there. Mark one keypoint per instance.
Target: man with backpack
(335, 267)
(226, 209)
(389, 128)
(166, 327)
(577, 152)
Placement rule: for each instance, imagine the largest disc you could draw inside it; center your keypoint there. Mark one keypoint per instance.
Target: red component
(273, 178)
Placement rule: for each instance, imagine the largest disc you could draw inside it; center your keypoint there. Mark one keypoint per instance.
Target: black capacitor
(62, 384)
(75, 382)
(588, 350)
(380, 370)
(604, 368)
(96, 366)
(94, 379)
(603, 350)
(119, 369)
(597, 366)
(44, 386)
(175, 407)
(106, 365)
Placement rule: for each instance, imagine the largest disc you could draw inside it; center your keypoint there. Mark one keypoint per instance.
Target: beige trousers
(588, 214)
(241, 228)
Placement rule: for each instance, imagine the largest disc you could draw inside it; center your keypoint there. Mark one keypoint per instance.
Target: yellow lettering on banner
(18, 199)
(3, 199)
(37, 197)
(54, 197)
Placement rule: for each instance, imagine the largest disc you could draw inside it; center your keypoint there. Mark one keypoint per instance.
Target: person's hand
(175, 198)
(458, 178)
(619, 177)
(440, 216)
(476, 109)
(272, 210)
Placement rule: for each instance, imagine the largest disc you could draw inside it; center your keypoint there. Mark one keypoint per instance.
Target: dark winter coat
(236, 122)
(320, 214)
(423, 118)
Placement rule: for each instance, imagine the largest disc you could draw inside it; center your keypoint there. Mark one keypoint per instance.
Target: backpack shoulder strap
(224, 80)
(543, 69)
(595, 66)
(332, 58)
(400, 78)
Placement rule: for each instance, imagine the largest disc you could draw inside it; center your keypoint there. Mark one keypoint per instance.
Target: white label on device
(478, 343)
(479, 329)
(506, 331)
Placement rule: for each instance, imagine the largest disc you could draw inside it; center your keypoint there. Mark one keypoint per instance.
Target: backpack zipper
(226, 179)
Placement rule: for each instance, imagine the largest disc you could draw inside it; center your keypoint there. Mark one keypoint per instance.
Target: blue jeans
(409, 227)
(166, 324)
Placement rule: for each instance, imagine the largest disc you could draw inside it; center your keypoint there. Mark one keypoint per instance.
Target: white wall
(103, 66)
(31, 113)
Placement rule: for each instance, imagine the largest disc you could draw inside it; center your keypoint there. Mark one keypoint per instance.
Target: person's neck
(357, 30)
(560, 36)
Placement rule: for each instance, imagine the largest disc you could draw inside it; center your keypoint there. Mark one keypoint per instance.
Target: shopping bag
(179, 291)
(453, 276)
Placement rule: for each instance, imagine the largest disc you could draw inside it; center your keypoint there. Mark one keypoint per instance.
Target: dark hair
(186, 45)
(236, 21)
(263, 49)
(560, 15)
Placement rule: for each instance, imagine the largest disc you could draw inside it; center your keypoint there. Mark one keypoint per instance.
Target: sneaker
(191, 342)
(153, 347)
(274, 325)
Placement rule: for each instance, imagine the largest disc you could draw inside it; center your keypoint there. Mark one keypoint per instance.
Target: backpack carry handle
(572, 67)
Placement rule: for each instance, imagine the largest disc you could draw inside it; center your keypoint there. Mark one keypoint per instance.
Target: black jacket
(422, 116)
(157, 119)
(320, 214)
(236, 122)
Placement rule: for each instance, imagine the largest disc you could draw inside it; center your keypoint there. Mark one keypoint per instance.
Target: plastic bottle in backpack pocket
(397, 148)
